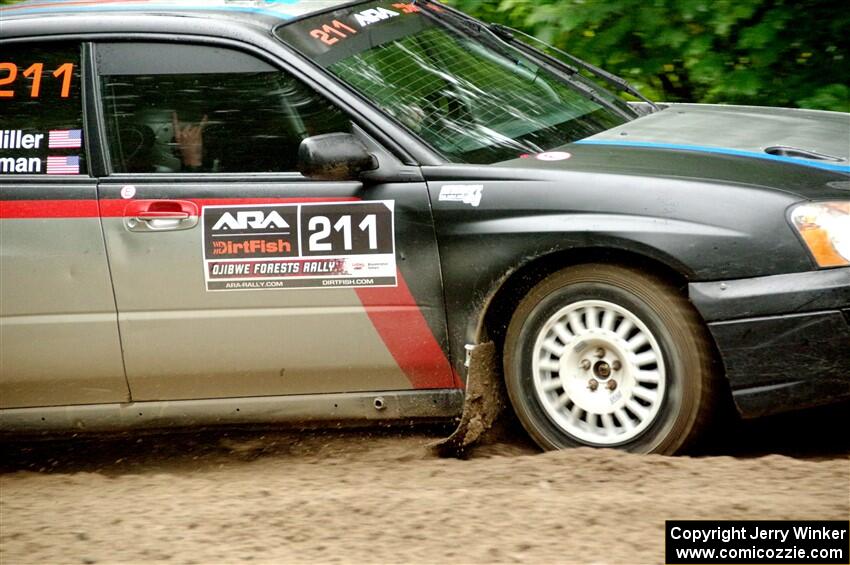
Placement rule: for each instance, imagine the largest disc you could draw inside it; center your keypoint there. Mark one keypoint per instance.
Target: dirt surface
(272, 497)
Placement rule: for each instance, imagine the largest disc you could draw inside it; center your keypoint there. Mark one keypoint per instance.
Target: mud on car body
(325, 211)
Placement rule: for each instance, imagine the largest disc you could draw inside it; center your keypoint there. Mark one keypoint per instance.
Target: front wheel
(606, 356)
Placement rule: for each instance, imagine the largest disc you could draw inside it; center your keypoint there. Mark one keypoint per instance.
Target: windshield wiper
(508, 33)
(477, 28)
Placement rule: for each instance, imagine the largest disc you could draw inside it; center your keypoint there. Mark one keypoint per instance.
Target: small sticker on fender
(554, 156)
(466, 193)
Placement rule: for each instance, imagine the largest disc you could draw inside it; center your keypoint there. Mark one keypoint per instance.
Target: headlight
(825, 227)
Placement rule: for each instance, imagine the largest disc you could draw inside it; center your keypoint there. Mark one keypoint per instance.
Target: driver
(190, 142)
(161, 143)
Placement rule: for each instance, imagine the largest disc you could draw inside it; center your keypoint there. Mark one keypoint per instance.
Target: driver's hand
(190, 141)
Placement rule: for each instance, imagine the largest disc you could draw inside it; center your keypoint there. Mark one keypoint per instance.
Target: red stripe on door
(408, 337)
(34, 209)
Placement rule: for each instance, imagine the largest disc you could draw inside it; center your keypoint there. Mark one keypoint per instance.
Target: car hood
(804, 152)
(803, 137)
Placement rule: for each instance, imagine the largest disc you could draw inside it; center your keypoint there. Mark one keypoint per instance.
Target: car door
(234, 275)
(58, 322)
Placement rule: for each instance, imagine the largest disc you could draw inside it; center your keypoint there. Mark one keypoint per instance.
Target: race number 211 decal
(289, 246)
(64, 73)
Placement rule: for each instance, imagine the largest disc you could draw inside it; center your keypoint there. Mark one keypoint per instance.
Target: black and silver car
(323, 211)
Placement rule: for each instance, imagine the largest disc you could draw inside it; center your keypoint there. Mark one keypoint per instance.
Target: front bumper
(784, 340)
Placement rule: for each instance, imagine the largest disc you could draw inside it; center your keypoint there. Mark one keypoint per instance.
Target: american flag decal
(63, 165)
(65, 139)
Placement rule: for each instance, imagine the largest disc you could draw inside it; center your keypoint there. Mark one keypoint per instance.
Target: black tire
(690, 382)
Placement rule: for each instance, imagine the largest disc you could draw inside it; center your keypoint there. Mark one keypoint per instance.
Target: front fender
(701, 231)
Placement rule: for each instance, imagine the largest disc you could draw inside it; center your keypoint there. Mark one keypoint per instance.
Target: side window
(185, 108)
(41, 111)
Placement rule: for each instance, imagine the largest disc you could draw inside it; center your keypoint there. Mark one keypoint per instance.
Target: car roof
(266, 13)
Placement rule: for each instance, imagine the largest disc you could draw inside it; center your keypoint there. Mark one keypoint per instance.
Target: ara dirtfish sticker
(289, 246)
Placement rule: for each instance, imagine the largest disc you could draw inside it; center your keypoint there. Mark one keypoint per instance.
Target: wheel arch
(496, 313)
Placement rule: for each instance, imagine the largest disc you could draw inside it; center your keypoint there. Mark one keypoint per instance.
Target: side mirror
(334, 156)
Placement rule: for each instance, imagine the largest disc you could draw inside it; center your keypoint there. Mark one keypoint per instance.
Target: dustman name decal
(290, 246)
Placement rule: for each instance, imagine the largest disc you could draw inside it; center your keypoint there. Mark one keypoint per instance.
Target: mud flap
(485, 400)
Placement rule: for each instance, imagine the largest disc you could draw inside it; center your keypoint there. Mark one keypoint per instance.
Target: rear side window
(172, 109)
(41, 112)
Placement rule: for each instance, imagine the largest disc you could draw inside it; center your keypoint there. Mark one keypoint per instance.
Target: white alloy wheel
(610, 356)
(598, 372)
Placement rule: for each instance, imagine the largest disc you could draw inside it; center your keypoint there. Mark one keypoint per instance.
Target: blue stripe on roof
(142, 7)
(718, 150)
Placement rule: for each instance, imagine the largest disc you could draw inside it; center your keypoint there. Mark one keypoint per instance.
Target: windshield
(471, 97)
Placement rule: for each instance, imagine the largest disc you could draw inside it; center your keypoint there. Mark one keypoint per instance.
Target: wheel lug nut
(616, 365)
(600, 353)
(612, 385)
(593, 384)
(585, 364)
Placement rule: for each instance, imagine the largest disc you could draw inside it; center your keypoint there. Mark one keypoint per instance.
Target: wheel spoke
(575, 323)
(591, 317)
(550, 365)
(637, 342)
(645, 358)
(562, 401)
(651, 377)
(562, 332)
(637, 409)
(646, 394)
(608, 320)
(576, 412)
(552, 384)
(625, 420)
(552, 347)
(608, 424)
(624, 328)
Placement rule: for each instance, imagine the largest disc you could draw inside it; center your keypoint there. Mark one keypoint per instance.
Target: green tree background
(756, 52)
(759, 52)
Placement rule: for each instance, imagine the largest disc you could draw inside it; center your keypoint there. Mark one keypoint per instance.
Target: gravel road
(234, 496)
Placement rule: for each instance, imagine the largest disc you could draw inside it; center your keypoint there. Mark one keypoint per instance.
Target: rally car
(321, 211)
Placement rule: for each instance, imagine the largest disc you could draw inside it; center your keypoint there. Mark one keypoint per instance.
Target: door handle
(146, 216)
(160, 215)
